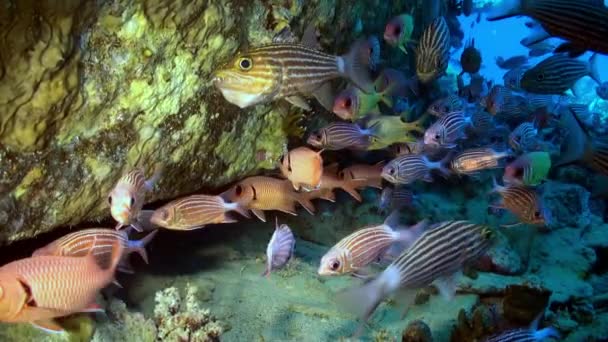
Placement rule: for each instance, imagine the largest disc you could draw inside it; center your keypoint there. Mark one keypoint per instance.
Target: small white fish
(280, 248)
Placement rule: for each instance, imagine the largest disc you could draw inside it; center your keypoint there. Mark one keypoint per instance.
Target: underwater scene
(303, 170)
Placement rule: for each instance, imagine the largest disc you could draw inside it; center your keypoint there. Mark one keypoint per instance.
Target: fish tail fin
(594, 72)
(139, 246)
(507, 9)
(144, 220)
(546, 333)
(350, 189)
(443, 165)
(411, 234)
(354, 65)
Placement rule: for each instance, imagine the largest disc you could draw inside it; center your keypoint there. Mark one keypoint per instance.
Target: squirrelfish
(353, 103)
(398, 31)
(97, 241)
(523, 202)
(303, 167)
(280, 248)
(558, 73)
(433, 51)
(584, 24)
(128, 197)
(261, 193)
(410, 168)
(362, 175)
(331, 180)
(523, 137)
(196, 211)
(437, 256)
(340, 136)
(366, 245)
(446, 131)
(39, 289)
(473, 160)
(528, 169)
(286, 70)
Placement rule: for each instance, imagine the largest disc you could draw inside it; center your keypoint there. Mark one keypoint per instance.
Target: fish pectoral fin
(259, 214)
(325, 95)
(298, 101)
(49, 326)
(447, 285)
(309, 38)
(93, 307)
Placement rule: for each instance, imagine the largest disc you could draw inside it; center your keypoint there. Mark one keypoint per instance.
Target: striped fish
(406, 148)
(395, 199)
(367, 245)
(196, 211)
(97, 241)
(129, 195)
(447, 130)
(552, 103)
(340, 136)
(471, 161)
(584, 24)
(433, 51)
(444, 105)
(558, 73)
(523, 202)
(523, 137)
(261, 193)
(436, 257)
(410, 168)
(280, 248)
(289, 71)
(531, 334)
(482, 122)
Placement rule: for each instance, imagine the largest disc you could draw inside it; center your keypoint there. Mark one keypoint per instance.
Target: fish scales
(193, 209)
(475, 159)
(441, 251)
(433, 51)
(366, 244)
(340, 135)
(411, 167)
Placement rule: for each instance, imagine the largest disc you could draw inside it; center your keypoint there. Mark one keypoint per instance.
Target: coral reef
(417, 331)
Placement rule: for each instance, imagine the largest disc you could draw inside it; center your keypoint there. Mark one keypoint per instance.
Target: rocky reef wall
(91, 89)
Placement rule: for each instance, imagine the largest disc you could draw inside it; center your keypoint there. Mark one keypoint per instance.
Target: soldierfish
(129, 195)
(261, 193)
(361, 175)
(331, 180)
(280, 248)
(290, 70)
(303, 167)
(196, 211)
(39, 289)
(366, 245)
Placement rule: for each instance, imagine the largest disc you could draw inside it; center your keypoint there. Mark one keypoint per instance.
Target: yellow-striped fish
(433, 51)
(129, 195)
(367, 245)
(196, 211)
(288, 71)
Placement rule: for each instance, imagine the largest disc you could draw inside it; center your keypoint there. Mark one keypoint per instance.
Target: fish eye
(397, 30)
(540, 77)
(164, 215)
(334, 265)
(110, 200)
(132, 201)
(537, 214)
(437, 136)
(391, 171)
(238, 190)
(245, 63)
(341, 174)
(348, 102)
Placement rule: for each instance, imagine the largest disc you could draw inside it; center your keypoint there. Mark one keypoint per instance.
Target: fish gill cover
(303, 171)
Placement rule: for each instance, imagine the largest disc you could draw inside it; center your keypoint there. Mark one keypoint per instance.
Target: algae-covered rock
(91, 89)
(417, 331)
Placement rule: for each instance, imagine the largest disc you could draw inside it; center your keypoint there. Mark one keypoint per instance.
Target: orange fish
(260, 193)
(303, 167)
(97, 241)
(40, 289)
(196, 211)
(361, 175)
(128, 197)
(330, 181)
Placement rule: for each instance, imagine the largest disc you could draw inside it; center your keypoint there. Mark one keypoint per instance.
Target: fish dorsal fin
(392, 220)
(285, 36)
(309, 38)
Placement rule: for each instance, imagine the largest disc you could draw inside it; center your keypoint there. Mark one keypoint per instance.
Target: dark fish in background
(406, 148)
(540, 49)
(410, 168)
(471, 161)
(289, 71)
(524, 137)
(467, 7)
(341, 135)
(444, 105)
(446, 131)
(511, 62)
(436, 257)
(602, 91)
(393, 82)
(584, 24)
(470, 59)
(482, 123)
(558, 73)
(552, 103)
(512, 78)
(433, 51)
(280, 248)
(523, 202)
(395, 198)
(580, 146)
(370, 51)
(529, 169)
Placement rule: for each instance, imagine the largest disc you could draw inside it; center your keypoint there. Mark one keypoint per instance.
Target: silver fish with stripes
(444, 105)
(340, 136)
(410, 168)
(446, 131)
(97, 241)
(583, 24)
(471, 161)
(436, 257)
(129, 195)
(290, 71)
(196, 211)
(280, 248)
(367, 245)
(524, 137)
(395, 198)
(558, 73)
(433, 51)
